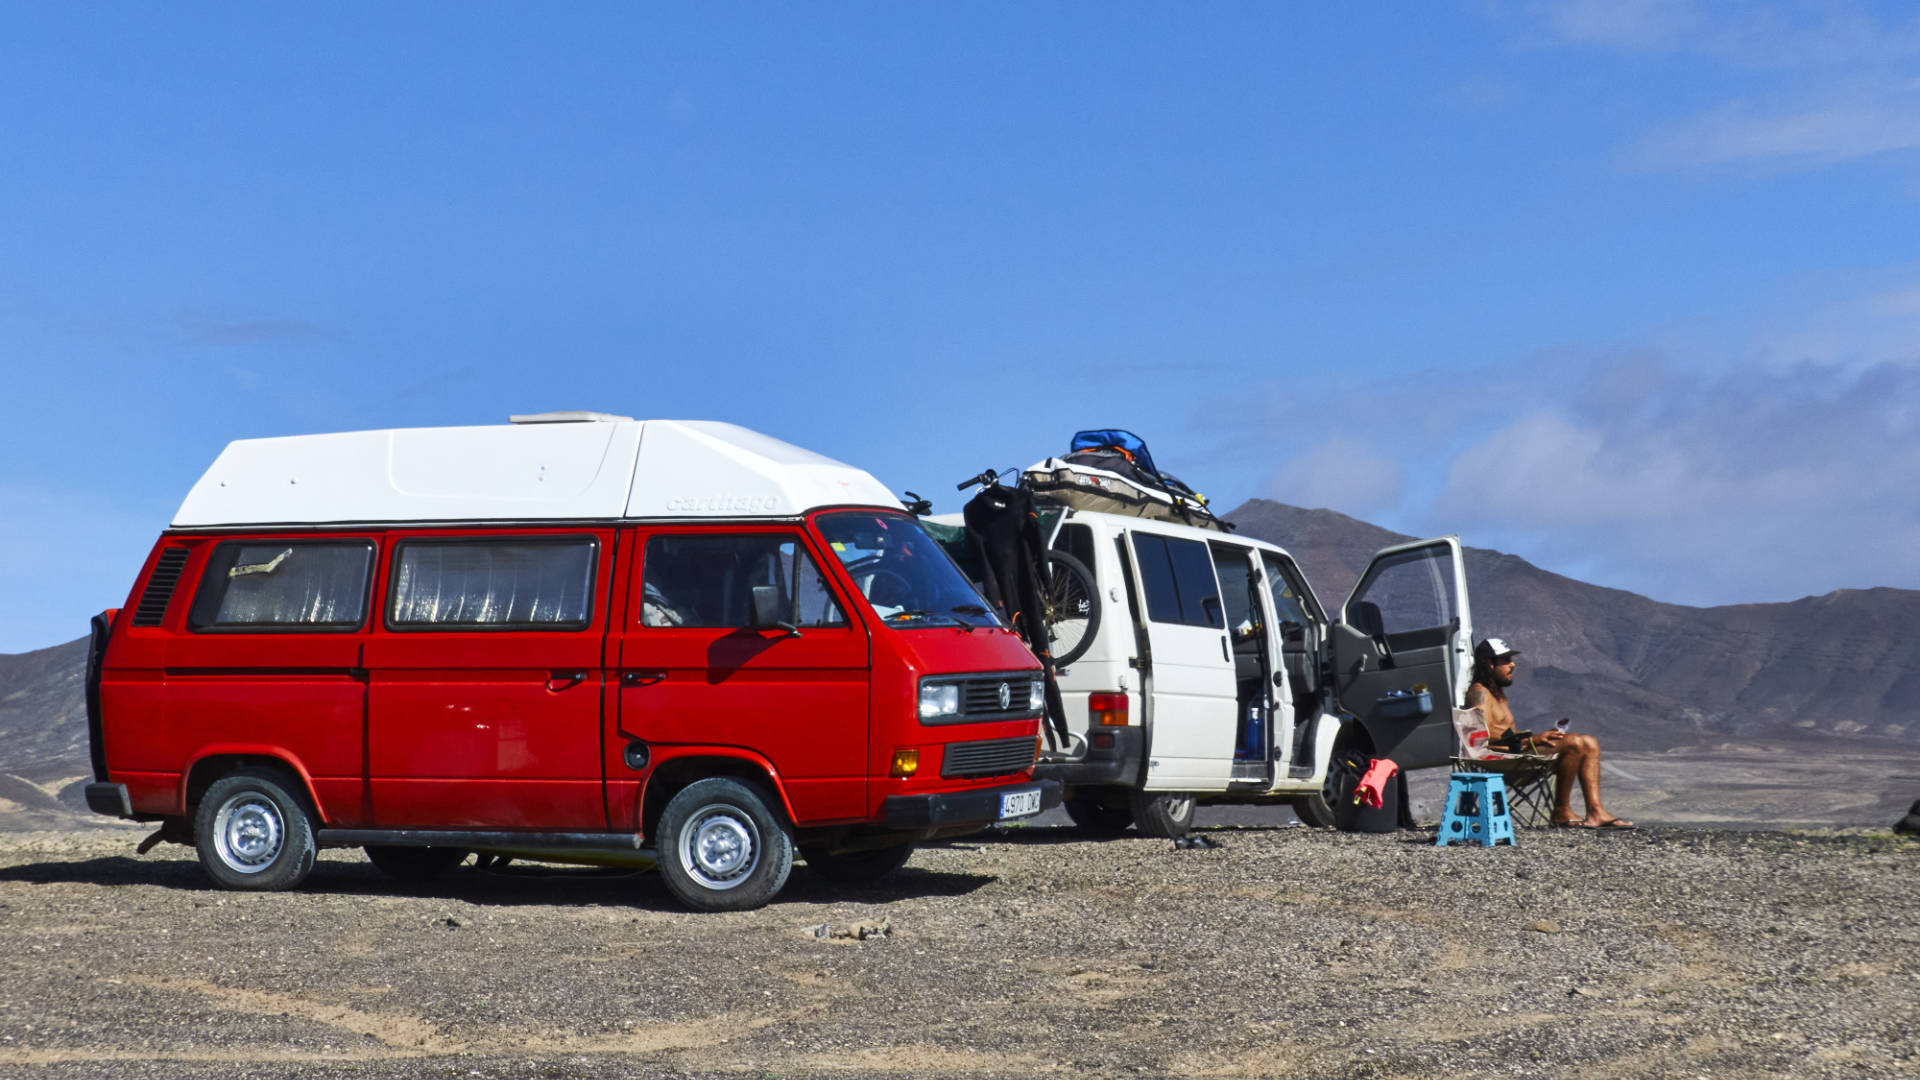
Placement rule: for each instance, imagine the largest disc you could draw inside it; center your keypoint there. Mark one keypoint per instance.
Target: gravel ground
(1285, 951)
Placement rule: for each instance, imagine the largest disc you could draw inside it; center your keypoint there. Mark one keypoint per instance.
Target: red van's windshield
(905, 576)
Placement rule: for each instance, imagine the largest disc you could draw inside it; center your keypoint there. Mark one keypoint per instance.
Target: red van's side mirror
(768, 608)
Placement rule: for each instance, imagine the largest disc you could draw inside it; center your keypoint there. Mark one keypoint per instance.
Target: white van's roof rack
(575, 417)
(608, 469)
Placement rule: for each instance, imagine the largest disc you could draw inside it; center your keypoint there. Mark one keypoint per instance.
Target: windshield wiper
(915, 613)
(977, 611)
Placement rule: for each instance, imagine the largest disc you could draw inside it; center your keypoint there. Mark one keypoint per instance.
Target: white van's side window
(284, 584)
(1178, 574)
(707, 580)
(525, 583)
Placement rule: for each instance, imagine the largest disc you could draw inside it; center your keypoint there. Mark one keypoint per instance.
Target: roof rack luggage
(1112, 471)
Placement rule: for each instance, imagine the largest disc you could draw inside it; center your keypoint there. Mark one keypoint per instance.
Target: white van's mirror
(768, 607)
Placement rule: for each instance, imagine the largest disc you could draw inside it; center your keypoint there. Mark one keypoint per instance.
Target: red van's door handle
(565, 680)
(642, 678)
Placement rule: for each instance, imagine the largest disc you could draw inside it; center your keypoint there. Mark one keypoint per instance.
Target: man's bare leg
(1579, 759)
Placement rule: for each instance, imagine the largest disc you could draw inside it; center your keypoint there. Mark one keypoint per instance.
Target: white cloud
(1841, 74)
(1856, 123)
(1754, 485)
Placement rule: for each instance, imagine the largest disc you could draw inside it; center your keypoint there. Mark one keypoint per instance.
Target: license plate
(1020, 804)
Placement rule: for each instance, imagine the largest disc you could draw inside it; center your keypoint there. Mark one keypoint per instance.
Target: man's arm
(1476, 696)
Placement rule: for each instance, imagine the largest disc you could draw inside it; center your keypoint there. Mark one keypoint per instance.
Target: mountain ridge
(1843, 664)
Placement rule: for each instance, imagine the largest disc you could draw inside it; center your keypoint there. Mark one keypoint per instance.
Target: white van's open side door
(1193, 685)
(1406, 629)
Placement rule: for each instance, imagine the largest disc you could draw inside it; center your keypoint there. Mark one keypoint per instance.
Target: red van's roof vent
(567, 418)
(159, 590)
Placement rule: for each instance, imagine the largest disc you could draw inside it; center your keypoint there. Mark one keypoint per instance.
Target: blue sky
(1631, 289)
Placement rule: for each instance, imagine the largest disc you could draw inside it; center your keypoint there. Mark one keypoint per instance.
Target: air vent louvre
(995, 757)
(153, 601)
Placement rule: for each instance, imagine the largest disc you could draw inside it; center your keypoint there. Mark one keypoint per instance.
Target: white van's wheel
(722, 848)
(1314, 810)
(1166, 814)
(252, 833)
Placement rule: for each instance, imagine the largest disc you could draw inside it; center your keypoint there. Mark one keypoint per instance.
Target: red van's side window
(707, 580)
(522, 584)
(284, 585)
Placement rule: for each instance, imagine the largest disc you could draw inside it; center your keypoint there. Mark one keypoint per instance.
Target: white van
(1215, 675)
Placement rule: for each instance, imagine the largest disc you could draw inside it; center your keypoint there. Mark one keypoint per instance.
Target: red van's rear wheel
(722, 847)
(253, 833)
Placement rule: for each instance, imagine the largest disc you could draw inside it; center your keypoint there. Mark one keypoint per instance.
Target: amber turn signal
(905, 764)
(1107, 709)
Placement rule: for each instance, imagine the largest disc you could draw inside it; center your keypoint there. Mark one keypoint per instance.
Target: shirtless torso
(1498, 713)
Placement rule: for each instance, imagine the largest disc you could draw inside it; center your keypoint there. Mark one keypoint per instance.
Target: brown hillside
(1831, 668)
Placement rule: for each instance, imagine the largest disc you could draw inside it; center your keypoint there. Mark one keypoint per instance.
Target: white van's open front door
(1191, 741)
(1402, 650)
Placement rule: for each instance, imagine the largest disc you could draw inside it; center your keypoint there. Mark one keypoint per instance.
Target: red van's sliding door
(485, 681)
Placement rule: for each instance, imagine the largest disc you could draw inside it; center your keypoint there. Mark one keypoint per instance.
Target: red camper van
(576, 637)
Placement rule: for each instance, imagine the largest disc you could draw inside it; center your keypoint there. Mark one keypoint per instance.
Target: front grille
(993, 757)
(159, 590)
(980, 697)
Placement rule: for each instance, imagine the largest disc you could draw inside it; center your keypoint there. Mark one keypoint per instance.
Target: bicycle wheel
(1071, 608)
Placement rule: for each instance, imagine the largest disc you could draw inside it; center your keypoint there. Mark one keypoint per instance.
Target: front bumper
(979, 806)
(1116, 764)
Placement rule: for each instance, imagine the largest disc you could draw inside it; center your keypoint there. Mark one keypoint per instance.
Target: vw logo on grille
(1006, 696)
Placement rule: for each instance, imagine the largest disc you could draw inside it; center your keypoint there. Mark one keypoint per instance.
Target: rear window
(284, 584)
(1178, 575)
(523, 584)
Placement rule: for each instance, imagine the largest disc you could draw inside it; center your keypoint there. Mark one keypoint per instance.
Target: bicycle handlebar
(990, 478)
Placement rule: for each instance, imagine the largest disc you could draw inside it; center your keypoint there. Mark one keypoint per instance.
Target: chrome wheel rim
(719, 847)
(248, 833)
(1180, 807)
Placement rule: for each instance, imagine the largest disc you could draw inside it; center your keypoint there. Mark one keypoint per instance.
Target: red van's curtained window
(493, 584)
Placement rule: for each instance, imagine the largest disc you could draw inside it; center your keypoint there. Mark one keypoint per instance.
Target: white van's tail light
(905, 764)
(938, 700)
(1037, 695)
(1107, 710)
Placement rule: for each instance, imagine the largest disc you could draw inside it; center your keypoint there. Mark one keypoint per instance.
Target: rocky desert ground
(1027, 952)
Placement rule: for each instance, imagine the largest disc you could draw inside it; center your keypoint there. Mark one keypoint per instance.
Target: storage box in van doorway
(576, 637)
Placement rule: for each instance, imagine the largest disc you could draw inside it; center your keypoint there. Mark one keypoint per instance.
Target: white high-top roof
(553, 466)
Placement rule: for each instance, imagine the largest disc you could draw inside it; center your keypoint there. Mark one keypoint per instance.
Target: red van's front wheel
(722, 848)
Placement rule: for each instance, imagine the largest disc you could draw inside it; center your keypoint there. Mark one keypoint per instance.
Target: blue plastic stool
(1476, 810)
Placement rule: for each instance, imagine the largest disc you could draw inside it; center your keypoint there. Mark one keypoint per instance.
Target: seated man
(1575, 756)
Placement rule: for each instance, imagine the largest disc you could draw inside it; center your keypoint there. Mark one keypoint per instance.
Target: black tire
(254, 832)
(1166, 814)
(1099, 817)
(1314, 810)
(856, 867)
(415, 864)
(722, 847)
(1072, 608)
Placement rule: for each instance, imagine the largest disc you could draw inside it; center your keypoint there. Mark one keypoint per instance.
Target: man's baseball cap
(1494, 648)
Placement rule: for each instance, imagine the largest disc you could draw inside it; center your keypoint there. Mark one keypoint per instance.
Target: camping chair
(1529, 777)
